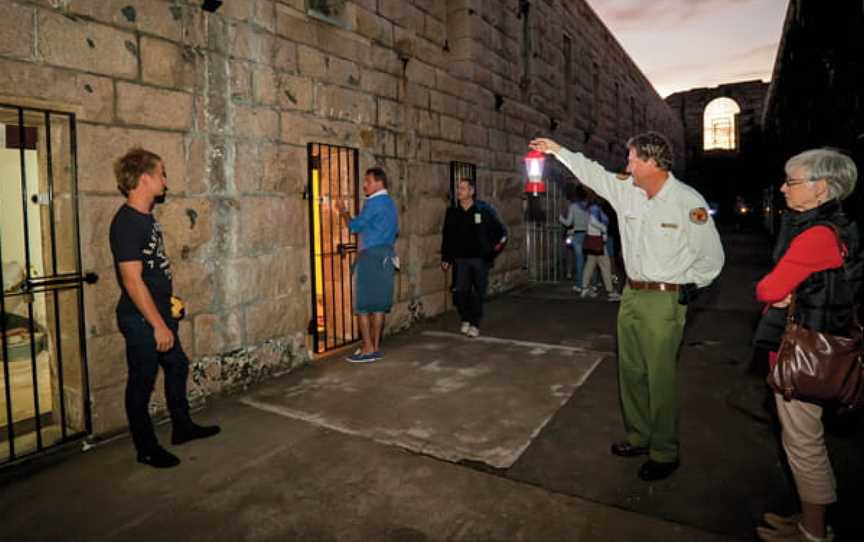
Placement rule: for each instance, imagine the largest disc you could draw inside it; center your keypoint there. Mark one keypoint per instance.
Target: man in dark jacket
(473, 235)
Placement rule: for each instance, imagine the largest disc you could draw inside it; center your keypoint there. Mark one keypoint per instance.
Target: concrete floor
(451, 439)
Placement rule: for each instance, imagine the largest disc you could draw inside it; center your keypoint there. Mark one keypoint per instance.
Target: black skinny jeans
(470, 280)
(143, 361)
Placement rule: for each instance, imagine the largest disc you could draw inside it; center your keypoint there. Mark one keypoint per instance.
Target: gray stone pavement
(499, 439)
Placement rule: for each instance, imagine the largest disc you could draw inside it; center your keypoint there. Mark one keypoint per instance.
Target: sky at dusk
(684, 44)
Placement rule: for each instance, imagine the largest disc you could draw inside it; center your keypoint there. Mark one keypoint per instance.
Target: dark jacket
(472, 233)
(826, 301)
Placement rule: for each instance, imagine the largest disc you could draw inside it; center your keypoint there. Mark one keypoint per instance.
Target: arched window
(720, 124)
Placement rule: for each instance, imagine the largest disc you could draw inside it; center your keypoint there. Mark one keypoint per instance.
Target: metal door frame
(345, 247)
(49, 283)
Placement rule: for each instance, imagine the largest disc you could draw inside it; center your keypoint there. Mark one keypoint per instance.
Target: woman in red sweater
(825, 273)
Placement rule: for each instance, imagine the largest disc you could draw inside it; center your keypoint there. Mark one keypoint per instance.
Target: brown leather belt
(644, 285)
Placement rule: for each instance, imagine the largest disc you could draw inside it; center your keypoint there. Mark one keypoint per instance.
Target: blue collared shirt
(377, 223)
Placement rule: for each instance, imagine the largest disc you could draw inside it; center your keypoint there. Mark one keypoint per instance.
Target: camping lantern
(534, 166)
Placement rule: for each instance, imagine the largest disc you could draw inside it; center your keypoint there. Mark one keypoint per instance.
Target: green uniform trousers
(650, 327)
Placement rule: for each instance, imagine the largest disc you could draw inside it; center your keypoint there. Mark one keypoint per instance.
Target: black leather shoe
(191, 431)
(656, 470)
(625, 449)
(158, 458)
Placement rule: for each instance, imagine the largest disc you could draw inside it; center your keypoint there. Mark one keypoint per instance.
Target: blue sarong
(373, 280)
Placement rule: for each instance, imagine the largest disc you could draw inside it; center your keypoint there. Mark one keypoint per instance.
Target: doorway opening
(333, 176)
(43, 378)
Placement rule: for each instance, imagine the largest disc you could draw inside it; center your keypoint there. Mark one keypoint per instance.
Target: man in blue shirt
(377, 226)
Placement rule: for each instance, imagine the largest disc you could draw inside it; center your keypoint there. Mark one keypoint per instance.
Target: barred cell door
(43, 378)
(333, 176)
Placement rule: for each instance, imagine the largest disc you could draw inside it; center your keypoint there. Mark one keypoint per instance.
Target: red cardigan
(814, 250)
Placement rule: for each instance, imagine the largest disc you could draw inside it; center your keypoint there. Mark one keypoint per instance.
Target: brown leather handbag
(819, 367)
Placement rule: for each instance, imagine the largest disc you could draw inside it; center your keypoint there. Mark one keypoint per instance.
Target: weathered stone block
(374, 27)
(269, 222)
(106, 360)
(108, 407)
(421, 73)
(135, 105)
(451, 128)
(265, 86)
(193, 283)
(312, 62)
(248, 167)
(16, 31)
(292, 24)
(428, 123)
(187, 224)
(240, 82)
(100, 301)
(389, 114)
(414, 94)
(94, 230)
(165, 64)
(99, 146)
(344, 104)
(250, 43)
(285, 170)
(256, 123)
(285, 55)
(434, 29)
(87, 46)
(380, 84)
(274, 318)
(217, 333)
(386, 60)
(345, 44)
(159, 17)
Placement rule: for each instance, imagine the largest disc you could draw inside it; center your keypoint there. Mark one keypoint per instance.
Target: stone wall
(231, 99)
(722, 175)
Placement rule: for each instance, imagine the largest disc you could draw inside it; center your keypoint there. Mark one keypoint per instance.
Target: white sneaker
(577, 289)
(614, 296)
(472, 331)
(465, 327)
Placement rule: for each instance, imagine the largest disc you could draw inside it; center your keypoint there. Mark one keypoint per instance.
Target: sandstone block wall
(230, 101)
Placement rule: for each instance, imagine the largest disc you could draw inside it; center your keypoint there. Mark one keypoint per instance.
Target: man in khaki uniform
(671, 247)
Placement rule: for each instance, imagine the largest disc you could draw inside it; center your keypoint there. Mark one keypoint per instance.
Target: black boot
(158, 458)
(190, 431)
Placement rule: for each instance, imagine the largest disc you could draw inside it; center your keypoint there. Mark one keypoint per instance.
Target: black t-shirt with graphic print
(137, 236)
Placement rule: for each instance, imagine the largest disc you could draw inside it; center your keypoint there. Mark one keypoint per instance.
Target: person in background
(144, 311)
(825, 271)
(472, 237)
(376, 264)
(576, 222)
(598, 226)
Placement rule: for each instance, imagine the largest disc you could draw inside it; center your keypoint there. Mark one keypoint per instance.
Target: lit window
(720, 123)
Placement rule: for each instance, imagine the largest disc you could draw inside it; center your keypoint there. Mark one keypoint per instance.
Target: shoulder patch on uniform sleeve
(622, 176)
(699, 215)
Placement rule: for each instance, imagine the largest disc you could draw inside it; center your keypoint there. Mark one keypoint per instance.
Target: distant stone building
(723, 142)
(816, 98)
(265, 111)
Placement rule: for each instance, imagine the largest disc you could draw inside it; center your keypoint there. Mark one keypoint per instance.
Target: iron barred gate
(43, 379)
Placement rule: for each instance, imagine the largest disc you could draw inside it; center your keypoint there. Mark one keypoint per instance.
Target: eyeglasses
(792, 182)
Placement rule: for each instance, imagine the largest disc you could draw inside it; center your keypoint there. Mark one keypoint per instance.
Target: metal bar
(82, 339)
(339, 324)
(7, 391)
(22, 137)
(354, 192)
(310, 191)
(50, 176)
(321, 175)
(334, 316)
